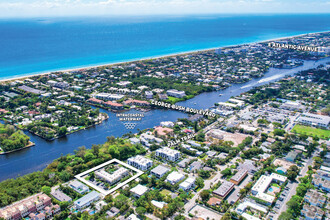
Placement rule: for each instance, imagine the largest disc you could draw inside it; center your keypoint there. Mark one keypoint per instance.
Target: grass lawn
(310, 131)
(165, 192)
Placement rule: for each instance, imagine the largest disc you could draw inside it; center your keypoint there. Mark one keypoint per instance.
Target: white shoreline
(13, 78)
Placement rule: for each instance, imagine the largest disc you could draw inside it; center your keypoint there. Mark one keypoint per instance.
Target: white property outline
(107, 192)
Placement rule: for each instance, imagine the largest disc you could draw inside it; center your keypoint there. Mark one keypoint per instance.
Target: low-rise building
(21, 209)
(113, 177)
(311, 212)
(60, 196)
(86, 200)
(136, 102)
(139, 190)
(248, 204)
(168, 154)
(225, 188)
(149, 94)
(163, 131)
(176, 93)
(315, 198)
(159, 171)
(175, 177)
(259, 190)
(114, 105)
(140, 162)
(321, 183)
(78, 187)
(239, 176)
(248, 165)
(314, 120)
(188, 184)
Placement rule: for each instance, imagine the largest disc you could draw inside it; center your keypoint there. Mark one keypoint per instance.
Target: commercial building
(260, 188)
(314, 120)
(188, 184)
(114, 177)
(159, 171)
(78, 187)
(225, 188)
(175, 177)
(176, 93)
(140, 162)
(239, 176)
(293, 106)
(168, 154)
(86, 200)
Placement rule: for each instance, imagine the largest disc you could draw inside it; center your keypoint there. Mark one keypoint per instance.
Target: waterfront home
(160, 131)
(176, 93)
(114, 105)
(136, 102)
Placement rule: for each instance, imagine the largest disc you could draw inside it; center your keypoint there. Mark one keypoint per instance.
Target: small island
(12, 139)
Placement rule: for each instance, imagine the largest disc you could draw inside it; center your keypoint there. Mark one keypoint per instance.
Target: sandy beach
(2, 81)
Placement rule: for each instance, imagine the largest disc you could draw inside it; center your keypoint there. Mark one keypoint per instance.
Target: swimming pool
(270, 189)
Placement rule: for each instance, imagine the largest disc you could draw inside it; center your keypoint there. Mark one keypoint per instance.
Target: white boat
(220, 94)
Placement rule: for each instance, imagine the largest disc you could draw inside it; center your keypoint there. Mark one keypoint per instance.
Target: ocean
(37, 45)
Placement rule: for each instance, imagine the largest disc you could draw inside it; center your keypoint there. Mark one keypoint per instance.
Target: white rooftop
(139, 189)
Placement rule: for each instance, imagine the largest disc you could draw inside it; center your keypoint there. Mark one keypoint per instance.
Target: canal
(44, 152)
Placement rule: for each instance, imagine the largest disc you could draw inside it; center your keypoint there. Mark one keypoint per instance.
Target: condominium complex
(114, 177)
(176, 93)
(140, 162)
(260, 189)
(168, 154)
(39, 205)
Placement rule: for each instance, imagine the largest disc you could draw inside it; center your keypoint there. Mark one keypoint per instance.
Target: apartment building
(168, 154)
(140, 162)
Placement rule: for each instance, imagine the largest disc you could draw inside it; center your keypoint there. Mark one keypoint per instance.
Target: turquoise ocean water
(38, 45)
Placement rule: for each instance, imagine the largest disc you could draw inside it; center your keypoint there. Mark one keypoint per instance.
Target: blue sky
(39, 8)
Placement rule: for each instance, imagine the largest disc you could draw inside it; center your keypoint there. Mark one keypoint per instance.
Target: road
(207, 185)
(291, 122)
(293, 188)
